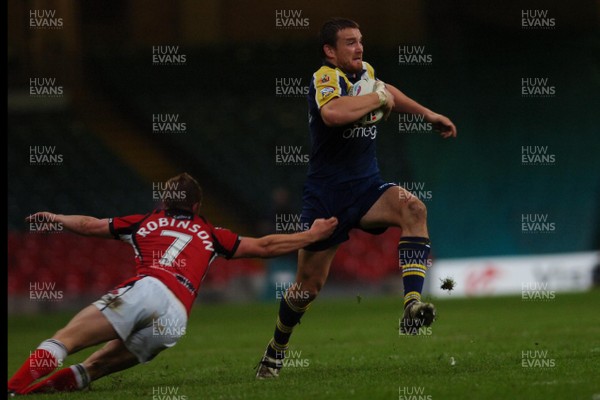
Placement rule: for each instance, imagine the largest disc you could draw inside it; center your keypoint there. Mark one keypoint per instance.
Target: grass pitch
(492, 348)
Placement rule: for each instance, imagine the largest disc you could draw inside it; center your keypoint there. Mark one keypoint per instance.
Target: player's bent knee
(310, 292)
(306, 291)
(417, 208)
(417, 211)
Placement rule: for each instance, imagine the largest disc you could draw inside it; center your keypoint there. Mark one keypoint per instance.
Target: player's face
(349, 50)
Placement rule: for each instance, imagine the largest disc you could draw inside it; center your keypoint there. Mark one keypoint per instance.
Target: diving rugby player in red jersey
(148, 313)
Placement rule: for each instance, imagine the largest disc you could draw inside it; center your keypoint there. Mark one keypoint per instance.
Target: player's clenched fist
(323, 228)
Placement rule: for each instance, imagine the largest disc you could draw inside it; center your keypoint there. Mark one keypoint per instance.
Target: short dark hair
(184, 192)
(329, 30)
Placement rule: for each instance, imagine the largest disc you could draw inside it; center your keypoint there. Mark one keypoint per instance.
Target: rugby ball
(362, 87)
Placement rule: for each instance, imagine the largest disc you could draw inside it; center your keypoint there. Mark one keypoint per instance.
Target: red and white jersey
(174, 246)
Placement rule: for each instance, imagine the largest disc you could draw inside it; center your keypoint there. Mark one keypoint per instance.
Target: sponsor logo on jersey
(357, 132)
(326, 91)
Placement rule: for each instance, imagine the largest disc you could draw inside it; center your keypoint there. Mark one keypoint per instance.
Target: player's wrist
(311, 236)
(430, 116)
(382, 98)
(380, 90)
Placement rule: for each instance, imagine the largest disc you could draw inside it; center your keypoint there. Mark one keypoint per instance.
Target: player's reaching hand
(404, 104)
(81, 224)
(443, 125)
(41, 216)
(323, 228)
(44, 221)
(278, 244)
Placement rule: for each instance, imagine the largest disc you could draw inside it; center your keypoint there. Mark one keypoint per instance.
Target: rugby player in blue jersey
(344, 181)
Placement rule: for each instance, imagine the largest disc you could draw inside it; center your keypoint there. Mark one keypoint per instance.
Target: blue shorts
(348, 202)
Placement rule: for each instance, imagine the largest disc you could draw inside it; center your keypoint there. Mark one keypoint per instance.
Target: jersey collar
(178, 213)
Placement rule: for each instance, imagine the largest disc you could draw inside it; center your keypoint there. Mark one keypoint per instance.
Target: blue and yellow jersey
(344, 153)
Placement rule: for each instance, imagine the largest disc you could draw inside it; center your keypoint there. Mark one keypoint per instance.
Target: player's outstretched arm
(404, 104)
(80, 224)
(279, 244)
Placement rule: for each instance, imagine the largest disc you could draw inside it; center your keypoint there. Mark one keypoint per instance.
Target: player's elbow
(254, 248)
(266, 248)
(332, 117)
(93, 227)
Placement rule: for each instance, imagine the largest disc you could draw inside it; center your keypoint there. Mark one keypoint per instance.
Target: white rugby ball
(362, 87)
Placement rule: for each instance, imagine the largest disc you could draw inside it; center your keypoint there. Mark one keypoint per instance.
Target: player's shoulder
(203, 220)
(325, 75)
(207, 225)
(325, 69)
(132, 218)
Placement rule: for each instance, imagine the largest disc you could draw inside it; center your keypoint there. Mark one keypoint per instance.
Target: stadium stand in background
(479, 186)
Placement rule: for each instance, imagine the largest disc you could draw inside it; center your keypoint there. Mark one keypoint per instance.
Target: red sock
(40, 363)
(62, 381)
